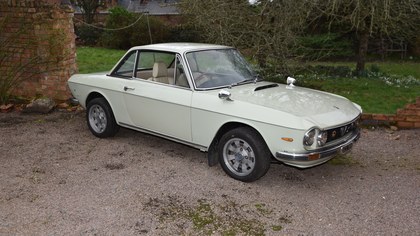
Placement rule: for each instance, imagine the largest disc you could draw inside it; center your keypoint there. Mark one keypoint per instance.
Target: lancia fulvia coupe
(208, 97)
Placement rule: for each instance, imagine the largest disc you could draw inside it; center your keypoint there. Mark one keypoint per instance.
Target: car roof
(180, 47)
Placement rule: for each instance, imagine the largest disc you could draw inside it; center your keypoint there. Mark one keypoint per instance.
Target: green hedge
(138, 34)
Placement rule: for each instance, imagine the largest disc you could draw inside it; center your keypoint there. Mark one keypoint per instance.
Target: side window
(180, 77)
(156, 66)
(126, 66)
(148, 58)
(146, 61)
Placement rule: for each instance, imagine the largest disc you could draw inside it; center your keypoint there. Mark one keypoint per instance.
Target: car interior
(155, 66)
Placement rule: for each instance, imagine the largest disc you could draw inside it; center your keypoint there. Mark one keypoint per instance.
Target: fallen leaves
(6, 108)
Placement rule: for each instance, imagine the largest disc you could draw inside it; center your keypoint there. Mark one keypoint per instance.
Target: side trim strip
(201, 148)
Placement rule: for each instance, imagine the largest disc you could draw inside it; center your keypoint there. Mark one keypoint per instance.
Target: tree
(89, 8)
(267, 30)
(366, 18)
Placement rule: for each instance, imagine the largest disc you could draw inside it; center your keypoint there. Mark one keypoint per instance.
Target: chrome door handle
(128, 88)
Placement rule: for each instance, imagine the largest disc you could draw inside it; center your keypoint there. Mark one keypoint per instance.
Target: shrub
(158, 30)
(119, 39)
(88, 35)
(136, 31)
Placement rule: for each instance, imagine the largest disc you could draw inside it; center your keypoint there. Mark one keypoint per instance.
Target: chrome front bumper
(310, 159)
(73, 101)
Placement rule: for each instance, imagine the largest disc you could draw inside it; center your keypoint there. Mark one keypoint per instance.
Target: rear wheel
(243, 154)
(100, 118)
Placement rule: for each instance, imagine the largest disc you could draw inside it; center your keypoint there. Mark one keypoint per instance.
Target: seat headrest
(159, 70)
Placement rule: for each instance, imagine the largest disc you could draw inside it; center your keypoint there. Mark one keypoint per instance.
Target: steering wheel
(201, 79)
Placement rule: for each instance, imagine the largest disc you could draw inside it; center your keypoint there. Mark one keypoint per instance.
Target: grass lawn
(400, 68)
(387, 86)
(395, 84)
(398, 84)
(373, 94)
(404, 68)
(91, 59)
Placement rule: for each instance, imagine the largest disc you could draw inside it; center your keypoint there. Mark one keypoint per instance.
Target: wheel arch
(93, 95)
(212, 154)
(113, 128)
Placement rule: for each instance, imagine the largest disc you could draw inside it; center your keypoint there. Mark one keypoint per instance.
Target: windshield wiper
(256, 79)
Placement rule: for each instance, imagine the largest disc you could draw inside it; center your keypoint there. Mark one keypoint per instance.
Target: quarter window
(126, 67)
(180, 77)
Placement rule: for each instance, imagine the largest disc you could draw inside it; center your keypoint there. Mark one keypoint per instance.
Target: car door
(157, 107)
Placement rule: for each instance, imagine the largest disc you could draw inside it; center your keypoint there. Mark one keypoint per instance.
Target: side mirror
(290, 82)
(225, 95)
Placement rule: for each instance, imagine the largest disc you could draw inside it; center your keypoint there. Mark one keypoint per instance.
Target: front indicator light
(313, 157)
(287, 139)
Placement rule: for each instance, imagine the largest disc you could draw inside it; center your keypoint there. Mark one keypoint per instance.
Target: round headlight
(309, 137)
(322, 138)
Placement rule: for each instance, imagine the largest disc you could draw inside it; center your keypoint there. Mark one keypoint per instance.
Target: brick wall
(43, 43)
(407, 117)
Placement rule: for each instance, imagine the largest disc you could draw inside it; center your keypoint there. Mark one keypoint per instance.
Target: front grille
(339, 132)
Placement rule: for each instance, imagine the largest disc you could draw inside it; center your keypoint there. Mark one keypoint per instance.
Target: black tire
(100, 118)
(243, 154)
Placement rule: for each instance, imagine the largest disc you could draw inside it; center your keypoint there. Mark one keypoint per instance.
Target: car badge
(344, 130)
(334, 133)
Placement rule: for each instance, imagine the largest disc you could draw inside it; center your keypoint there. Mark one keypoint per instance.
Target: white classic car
(208, 97)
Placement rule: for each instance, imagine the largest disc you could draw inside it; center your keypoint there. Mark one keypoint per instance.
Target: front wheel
(100, 118)
(243, 154)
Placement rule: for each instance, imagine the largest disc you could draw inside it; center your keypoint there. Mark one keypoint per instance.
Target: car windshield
(219, 68)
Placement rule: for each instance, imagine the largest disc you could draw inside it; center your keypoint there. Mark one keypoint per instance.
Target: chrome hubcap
(97, 118)
(239, 156)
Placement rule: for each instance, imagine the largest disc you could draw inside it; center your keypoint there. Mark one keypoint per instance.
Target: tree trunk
(362, 53)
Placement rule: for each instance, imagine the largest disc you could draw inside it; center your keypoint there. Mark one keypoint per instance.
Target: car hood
(320, 108)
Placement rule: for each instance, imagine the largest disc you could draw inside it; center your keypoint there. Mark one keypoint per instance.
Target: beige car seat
(160, 74)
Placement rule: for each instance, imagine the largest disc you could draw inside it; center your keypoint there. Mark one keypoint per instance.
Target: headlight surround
(322, 138)
(309, 137)
(315, 138)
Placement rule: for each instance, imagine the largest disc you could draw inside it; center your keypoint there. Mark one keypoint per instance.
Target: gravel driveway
(58, 179)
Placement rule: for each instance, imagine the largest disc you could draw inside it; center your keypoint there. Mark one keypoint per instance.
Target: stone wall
(41, 50)
(407, 117)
